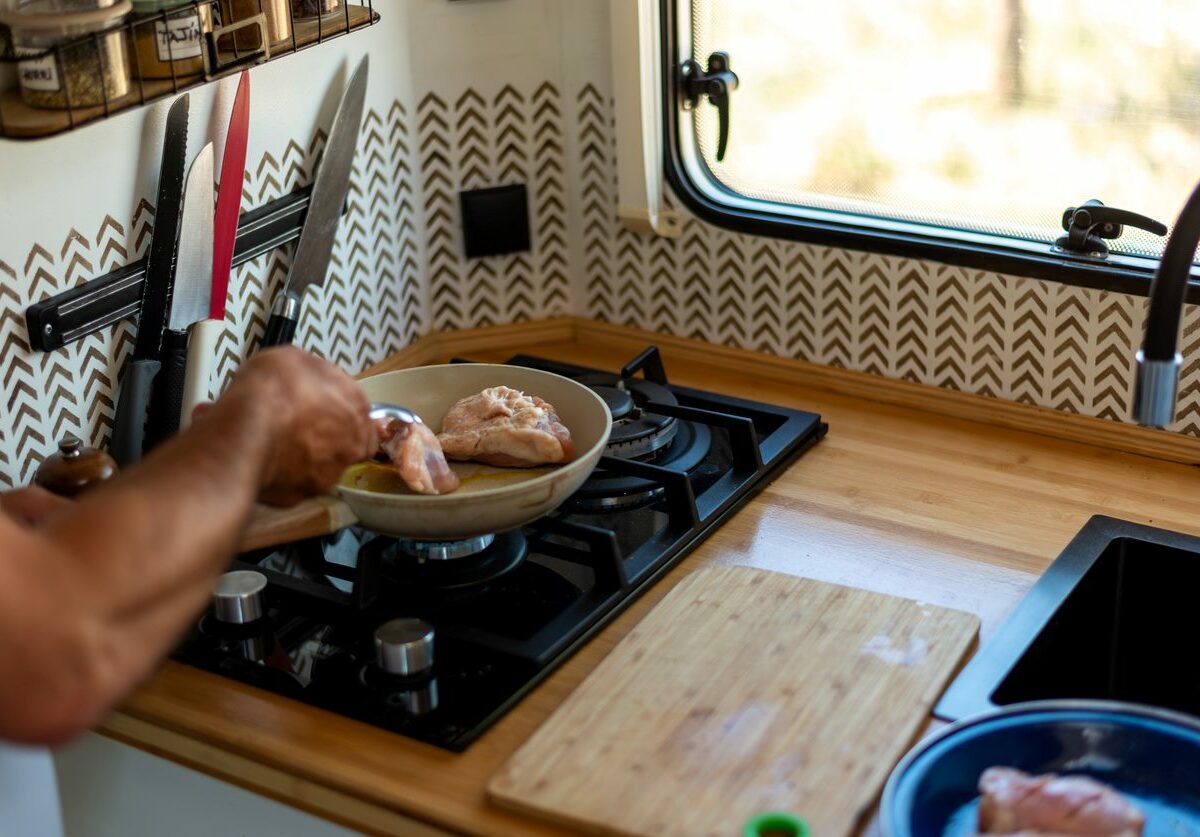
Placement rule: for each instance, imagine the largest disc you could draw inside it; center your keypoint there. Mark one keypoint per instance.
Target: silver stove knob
(420, 701)
(238, 597)
(404, 646)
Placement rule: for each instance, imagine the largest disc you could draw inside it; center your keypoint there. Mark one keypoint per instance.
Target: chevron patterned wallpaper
(398, 271)
(376, 269)
(472, 141)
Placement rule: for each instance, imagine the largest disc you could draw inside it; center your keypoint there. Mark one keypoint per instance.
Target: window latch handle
(1089, 224)
(716, 82)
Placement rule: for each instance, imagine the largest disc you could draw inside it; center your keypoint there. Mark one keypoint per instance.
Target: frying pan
(489, 500)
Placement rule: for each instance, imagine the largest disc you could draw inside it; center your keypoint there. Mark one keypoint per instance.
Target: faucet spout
(1159, 361)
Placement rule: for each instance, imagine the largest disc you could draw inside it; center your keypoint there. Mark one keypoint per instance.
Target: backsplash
(375, 269)
(475, 141)
(398, 272)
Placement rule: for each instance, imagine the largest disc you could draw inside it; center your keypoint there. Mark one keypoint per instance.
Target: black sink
(1116, 616)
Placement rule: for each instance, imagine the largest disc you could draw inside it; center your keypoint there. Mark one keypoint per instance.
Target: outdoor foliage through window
(985, 115)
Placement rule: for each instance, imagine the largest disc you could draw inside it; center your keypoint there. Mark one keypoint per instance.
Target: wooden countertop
(898, 500)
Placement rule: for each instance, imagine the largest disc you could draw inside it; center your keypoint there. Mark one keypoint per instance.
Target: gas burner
(455, 566)
(606, 491)
(445, 550)
(636, 433)
(619, 401)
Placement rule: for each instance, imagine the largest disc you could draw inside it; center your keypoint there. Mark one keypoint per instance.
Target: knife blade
(311, 260)
(190, 297)
(137, 380)
(229, 198)
(202, 344)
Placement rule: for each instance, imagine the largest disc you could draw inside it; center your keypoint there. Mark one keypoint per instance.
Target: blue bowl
(1150, 755)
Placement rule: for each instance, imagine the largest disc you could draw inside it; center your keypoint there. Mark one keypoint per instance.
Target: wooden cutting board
(743, 691)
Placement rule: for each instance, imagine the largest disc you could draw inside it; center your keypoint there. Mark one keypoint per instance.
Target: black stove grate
(503, 620)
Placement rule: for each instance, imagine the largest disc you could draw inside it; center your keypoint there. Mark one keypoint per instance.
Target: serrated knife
(190, 297)
(311, 260)
(137, 380)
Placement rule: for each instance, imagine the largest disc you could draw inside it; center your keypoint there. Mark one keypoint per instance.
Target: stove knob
(238, 599)
(404, 646)
(420, 701)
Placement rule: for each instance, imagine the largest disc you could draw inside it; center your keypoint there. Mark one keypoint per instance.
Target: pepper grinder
(74, 468)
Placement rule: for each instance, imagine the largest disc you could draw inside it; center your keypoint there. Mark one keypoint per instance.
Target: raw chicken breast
(1042, 805)
(414, 451)
(504, 427)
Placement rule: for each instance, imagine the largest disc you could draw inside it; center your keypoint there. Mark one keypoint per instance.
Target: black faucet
(1159, 361)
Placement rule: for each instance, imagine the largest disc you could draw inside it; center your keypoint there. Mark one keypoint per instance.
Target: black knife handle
(281, 327)
(168, 391)
(280, 331)
(129, 424)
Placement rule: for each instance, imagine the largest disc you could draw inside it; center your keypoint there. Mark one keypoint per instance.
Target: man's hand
(316, 417)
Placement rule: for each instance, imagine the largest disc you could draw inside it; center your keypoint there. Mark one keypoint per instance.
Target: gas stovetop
(437, 641)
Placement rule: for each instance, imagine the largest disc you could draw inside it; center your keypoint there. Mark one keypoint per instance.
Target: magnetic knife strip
(108, 299)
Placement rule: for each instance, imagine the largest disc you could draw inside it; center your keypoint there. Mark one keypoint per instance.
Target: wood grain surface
(896, 499)
(743, 691)
(327, 514)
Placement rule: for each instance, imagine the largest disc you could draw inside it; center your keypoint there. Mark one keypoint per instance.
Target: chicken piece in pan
(1041, 806)
(504, 427)
(414, 451)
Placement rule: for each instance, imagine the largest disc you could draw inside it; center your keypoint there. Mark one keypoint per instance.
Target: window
(944, 125)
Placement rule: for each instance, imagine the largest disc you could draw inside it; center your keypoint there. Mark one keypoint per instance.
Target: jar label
(178, 38)
(38, 73)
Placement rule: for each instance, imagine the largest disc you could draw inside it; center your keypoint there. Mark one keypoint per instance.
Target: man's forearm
(128, 538)
(93, 595)
(119, 574)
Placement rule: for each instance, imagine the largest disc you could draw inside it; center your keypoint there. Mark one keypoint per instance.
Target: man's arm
(93, 596)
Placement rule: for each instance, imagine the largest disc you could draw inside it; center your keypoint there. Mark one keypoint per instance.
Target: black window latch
(716, 82)
(1087, 226)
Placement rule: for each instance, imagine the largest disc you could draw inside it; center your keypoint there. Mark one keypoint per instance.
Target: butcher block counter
(946, 498)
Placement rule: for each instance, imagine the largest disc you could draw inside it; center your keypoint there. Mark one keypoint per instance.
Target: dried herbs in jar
(75, 56)
(168, 37)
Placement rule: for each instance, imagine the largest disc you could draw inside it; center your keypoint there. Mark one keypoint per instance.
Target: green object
(776, 824)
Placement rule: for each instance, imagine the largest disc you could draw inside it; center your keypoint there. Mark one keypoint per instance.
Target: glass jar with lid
(277, 23)
(168, 37)
(76, 58)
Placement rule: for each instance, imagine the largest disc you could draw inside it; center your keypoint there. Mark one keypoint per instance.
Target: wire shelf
(48, 90)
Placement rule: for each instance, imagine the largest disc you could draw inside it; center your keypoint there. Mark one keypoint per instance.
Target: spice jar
(74, 468)
(168, 37)
(66, 67)
(277, 15)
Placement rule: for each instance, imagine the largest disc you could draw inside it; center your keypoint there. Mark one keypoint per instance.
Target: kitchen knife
(190, 297)
(202, 344)
(311, 260)
(129, 423)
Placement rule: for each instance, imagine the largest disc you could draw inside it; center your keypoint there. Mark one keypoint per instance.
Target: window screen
(989, 116)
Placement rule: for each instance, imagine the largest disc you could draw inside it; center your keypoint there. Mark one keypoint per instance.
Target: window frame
(704, 196)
